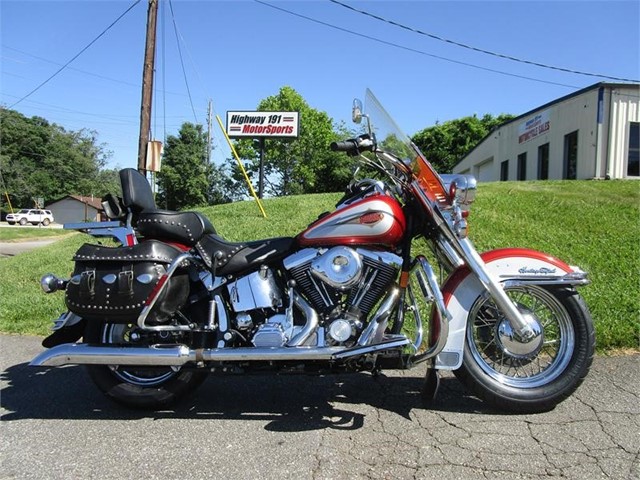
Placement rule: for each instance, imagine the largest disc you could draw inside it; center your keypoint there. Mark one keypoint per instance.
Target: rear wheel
(45, 222)
(533, 376)
(139, 387)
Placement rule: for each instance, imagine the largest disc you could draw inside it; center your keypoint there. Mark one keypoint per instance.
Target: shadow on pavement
(288, 403)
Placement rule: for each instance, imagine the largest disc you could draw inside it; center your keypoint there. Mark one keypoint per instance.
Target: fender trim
(509, 264)
(459, 275)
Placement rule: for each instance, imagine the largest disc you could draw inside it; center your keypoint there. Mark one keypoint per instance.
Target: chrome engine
(335, 290)
(343, 285)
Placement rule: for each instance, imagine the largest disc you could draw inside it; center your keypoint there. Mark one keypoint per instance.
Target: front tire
(137, 387)
(535, 377)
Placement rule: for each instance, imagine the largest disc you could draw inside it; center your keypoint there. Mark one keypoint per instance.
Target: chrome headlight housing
(461, 188)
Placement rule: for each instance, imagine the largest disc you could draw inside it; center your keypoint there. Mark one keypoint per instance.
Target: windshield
(389, 136)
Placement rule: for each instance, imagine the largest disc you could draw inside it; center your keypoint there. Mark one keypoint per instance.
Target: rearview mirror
(356, 113)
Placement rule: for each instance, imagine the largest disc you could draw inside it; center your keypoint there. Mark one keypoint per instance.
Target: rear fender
(511, 266)
(67, 329)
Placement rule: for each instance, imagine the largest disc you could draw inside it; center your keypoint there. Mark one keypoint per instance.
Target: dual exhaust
(179, 355)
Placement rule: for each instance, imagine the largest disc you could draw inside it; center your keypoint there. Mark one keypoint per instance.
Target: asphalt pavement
(57, 425)
(9, 249)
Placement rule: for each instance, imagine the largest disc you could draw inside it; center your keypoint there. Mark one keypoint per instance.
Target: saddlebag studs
(116, 281)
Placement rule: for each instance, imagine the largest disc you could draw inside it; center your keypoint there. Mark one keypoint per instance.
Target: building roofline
(545, 106)
(93, 202)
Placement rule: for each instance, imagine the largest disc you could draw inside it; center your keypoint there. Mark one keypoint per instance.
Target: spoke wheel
(139, 387)
(534, 375)
(120, 334)
(549, 353)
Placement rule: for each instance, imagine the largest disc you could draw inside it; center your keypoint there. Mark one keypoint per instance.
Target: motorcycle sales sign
(533, 127)
(263, 124)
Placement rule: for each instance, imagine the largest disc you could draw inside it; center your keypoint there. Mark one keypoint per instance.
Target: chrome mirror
(356, 112)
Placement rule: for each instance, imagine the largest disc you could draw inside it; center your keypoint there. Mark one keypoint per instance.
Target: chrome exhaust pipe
(178, 355)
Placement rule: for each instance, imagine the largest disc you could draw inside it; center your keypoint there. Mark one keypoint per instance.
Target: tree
(445, 144)
(302, 165)
(39, 159)
(185, 175)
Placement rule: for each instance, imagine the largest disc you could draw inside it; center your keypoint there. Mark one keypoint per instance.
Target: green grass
(594, 225)
(16, 233)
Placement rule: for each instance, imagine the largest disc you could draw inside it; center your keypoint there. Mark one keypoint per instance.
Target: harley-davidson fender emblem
(537, 271)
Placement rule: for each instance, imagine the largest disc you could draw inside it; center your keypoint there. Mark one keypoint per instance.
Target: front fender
(508, 265)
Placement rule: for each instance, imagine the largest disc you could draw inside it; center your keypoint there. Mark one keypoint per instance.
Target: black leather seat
(194, 230)
(183, 227)
(228, 258)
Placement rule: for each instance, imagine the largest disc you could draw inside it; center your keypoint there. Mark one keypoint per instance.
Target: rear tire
(537, 380)
(137, 387)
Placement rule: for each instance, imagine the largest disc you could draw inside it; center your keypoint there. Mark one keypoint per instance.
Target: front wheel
(532, 376)
(139, 387)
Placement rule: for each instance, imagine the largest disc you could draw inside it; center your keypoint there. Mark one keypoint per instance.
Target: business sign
(263, 124)
(534, 127)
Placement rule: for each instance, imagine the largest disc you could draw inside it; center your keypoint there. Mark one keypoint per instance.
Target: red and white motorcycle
(176, 301)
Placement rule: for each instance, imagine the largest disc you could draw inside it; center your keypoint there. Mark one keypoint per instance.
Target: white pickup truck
(30, 215)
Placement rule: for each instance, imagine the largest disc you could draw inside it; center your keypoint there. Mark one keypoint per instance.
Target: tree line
(39, 159)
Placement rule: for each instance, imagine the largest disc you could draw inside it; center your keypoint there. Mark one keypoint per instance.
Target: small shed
(76, 208)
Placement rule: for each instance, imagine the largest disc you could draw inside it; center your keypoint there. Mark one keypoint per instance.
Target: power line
(414, 50)
(184, 73)
(476, 49)
(77, 55)
(84, 72)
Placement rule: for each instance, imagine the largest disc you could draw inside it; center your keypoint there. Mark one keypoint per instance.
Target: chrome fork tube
(521, 327)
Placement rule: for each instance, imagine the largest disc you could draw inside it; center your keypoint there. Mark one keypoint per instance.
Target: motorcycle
(175, 302)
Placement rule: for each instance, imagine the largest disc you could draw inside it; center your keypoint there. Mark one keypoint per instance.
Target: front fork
(522, 329)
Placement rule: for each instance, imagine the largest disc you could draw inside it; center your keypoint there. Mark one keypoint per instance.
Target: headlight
(461, 189)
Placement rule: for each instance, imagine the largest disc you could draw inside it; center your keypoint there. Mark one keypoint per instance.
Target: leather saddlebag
(113, 283)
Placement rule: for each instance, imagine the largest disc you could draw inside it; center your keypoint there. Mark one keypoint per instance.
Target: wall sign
(533, 127)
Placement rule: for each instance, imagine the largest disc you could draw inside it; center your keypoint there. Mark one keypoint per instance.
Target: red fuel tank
(375, 220)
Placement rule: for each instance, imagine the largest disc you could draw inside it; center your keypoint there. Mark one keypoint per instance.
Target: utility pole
(147, 84)
(209, 129)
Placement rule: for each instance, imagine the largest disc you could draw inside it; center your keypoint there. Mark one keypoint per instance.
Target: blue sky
(239, 52)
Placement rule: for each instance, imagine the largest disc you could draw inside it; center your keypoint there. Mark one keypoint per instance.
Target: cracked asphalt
(55, 425)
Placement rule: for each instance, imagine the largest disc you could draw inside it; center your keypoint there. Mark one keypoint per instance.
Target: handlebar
(353, 146)
(343, 146)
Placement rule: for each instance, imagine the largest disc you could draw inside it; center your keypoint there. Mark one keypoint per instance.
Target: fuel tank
(374, 220)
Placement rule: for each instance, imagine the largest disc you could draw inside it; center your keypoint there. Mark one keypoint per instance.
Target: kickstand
(430, 386)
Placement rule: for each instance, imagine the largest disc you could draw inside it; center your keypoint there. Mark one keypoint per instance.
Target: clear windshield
(391, 139)
(389, 136)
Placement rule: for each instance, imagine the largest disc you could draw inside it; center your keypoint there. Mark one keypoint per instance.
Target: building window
(504, 171)
(522, 166)
(633, 159)
(571, 156)
(543, 162)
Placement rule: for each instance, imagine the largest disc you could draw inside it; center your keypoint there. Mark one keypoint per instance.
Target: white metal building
(592, 133)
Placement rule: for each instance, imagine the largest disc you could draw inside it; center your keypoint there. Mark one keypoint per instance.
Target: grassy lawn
(592, 224)
(16, 233)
